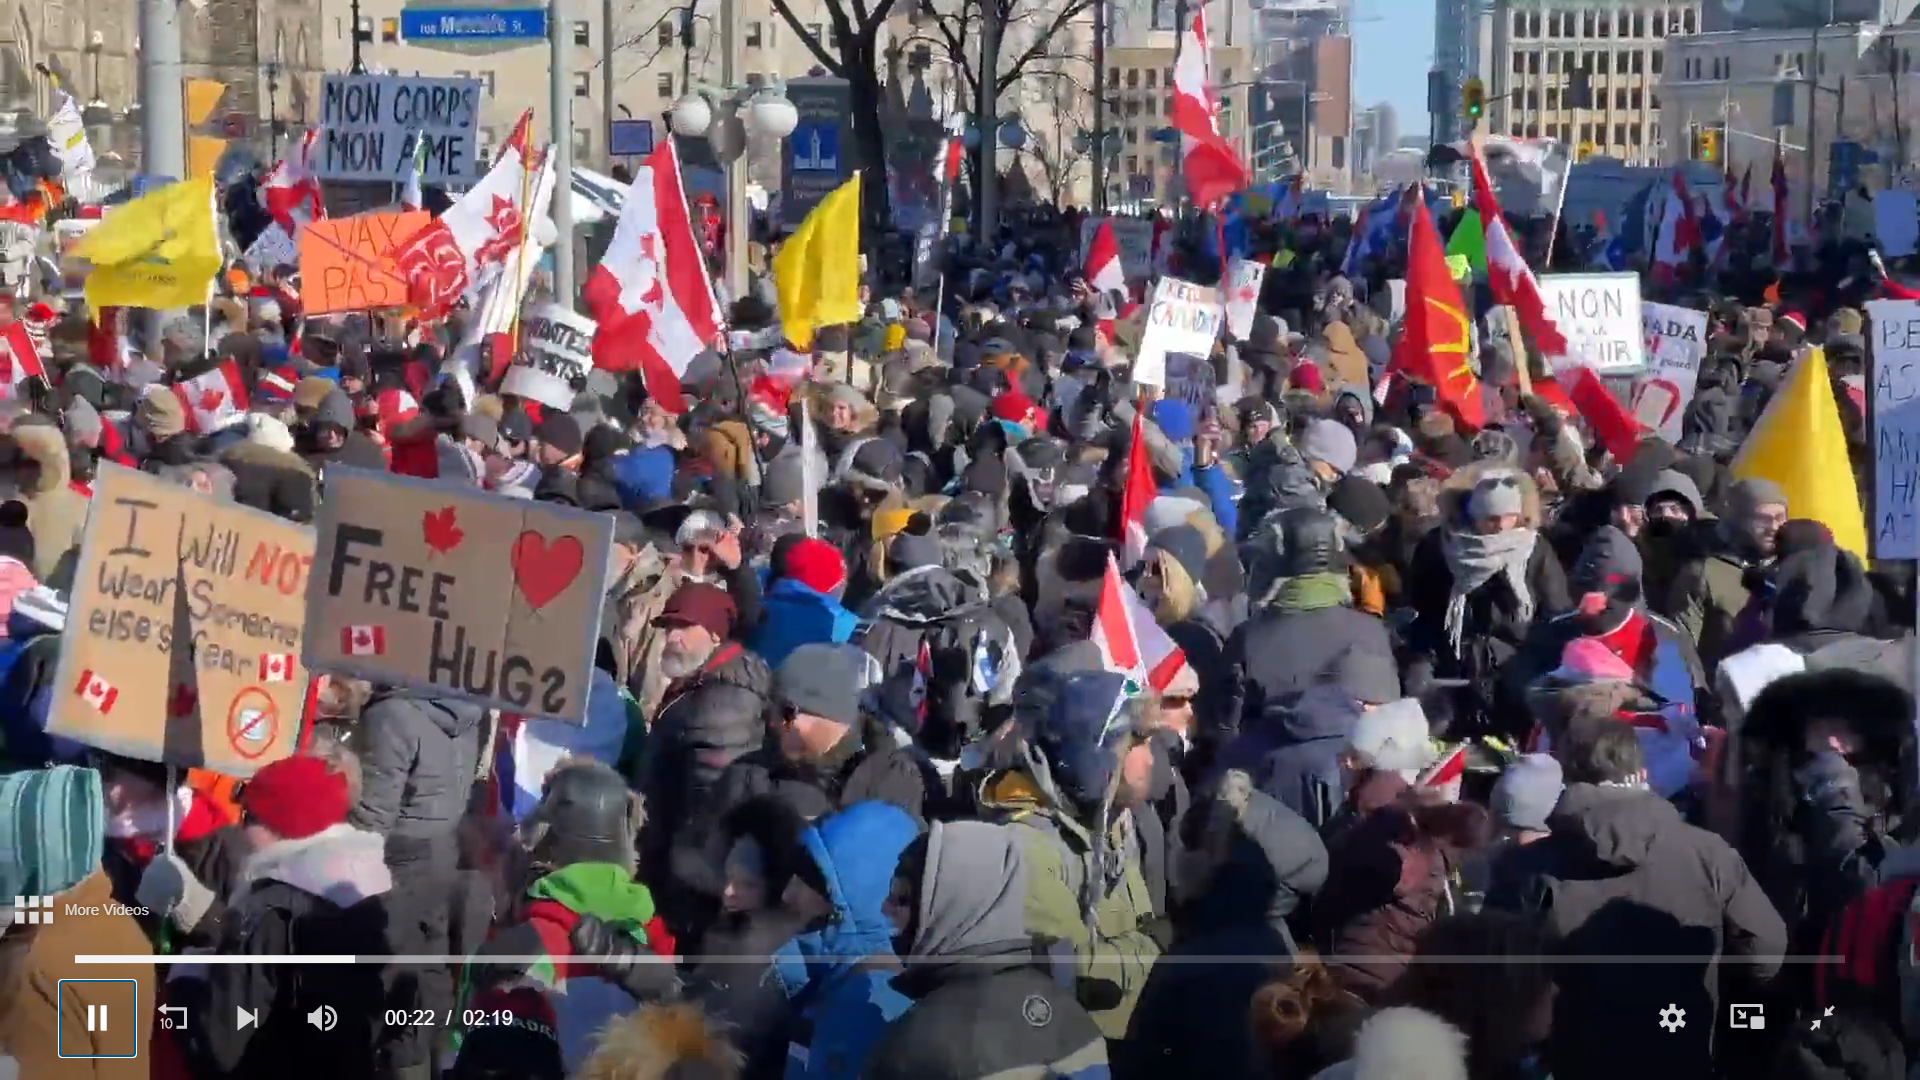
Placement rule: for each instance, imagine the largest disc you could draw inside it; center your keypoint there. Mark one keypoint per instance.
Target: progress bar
(211, 960)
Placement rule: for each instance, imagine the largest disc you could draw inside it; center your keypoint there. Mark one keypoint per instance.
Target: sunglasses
(1175, 701)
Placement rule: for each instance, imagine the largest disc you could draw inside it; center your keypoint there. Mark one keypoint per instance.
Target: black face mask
(1662, 528)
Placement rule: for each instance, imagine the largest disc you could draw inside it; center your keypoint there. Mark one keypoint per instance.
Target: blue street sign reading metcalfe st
(472, 24)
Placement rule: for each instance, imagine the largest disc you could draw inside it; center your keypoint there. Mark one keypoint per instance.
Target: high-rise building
(1456, 58)
(1303, 117)
(1142, 43)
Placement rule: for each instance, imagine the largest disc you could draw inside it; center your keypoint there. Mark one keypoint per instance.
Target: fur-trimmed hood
(1459, 484)
(341, 865)
(45, 446)
(247, 453)
(1404, 1044)
(660, 1041)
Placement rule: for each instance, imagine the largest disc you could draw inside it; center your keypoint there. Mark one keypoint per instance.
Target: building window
(1533, 131)
(1658, 62)
(365, 29)
(1519, 24)
(582, 84)
(1514, 131)
(1519, 63)
(1686, 21)
(1653, 100)
(1620, 99)
(486, 80)
(1153, 77)
(1586, 132)
(753, 35)
(1620, 134)
(389, 31)
(1553, 63)
(665, 34)
(1553, 97)
(1133, 78)
(1133, 163)
(583, 33)
(1634, 130)
(1659, 24)
(1532, 99)
(664, 84)
(1533, 63)
(582, 143)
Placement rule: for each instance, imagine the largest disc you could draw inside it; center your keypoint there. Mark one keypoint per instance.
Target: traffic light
(1706, 145)
(1473, 99)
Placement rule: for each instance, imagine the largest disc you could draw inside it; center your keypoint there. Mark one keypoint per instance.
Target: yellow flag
(1799, 444)
(816, 272)
(158, 251)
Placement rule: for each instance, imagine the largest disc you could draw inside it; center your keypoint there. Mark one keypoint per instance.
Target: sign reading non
(1896, 427)
(1676, 343)
(184, 635)
(1181, 318)
(369, 124)
(456, 591)
(556, 354)
(1600, 316)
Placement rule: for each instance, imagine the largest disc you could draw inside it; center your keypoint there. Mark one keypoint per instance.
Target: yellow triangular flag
(816, 272)
(1799, 444)
(158, 251)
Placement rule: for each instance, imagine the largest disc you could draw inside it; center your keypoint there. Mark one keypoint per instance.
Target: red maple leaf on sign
(434, 268)
(1246, 295)
(505, 220)
(441, 532)
(211, 400)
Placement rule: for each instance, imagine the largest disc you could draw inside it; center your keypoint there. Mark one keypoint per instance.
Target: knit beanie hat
(1394, 737)
(815, 564)
(52, 829)
(269, 432)
(160, 413)
(1527, 792)
(83, 423)
(296, 797)
(520, 1038)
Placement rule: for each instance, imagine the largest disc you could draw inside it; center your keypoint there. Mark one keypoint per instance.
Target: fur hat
(160, 413)
(658, 1041)
(1404, 1043)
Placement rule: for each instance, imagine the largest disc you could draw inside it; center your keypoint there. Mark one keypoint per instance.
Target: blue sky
(1391, 57)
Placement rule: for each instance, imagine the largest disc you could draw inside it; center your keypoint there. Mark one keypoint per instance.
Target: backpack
(941, 680)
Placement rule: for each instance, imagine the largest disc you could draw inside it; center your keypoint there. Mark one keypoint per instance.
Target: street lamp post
(727, 116)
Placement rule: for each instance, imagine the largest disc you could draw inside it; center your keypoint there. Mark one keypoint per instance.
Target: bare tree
(639, 51)
(852, 52)
(1056, 111)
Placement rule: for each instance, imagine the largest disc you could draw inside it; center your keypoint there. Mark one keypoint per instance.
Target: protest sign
(1134, 238)
(1181, 318)
(1896, 427)
(1600, 316)
(453, 590)
(556, 352)
(1190, 379)
(1676, 343)
(347, 264)
(369, 123)
(272, 248)
(183, 636)
(1243, 295)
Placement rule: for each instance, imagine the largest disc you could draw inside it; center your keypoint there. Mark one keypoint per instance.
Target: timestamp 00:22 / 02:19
(468, 1018)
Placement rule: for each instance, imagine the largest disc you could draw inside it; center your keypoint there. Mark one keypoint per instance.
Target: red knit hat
(816, 564)
(1306, 376)
(1013, 407)
(296, 797)
(1796, 320)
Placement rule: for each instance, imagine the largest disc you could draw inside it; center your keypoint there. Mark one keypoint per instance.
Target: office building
(1303, 117)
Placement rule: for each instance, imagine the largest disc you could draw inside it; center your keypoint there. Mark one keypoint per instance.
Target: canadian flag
(1446, 774)
(1210, 165)
(922, 679)
(215, 399)
(477, 232)
(1679, 229)
(360, 640)
(96, 692)
(19, 359)
(291, 193)
(276, 667)
(1508, 275)
(1104, 271)
(1140, 491)
(1131, 643)
(651, 294)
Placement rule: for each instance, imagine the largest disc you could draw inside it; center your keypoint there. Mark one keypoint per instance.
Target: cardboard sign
(1600, 316)
(1134, 238)
(455, 591)
(1896, 427)
(1244, 277)
(272, 248)
(556, 354)
(347, 264)
(1182, 318)
(183, 638)
(369, 123)
(1676, 343)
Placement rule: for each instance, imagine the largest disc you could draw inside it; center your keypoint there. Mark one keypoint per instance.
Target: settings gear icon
(1673, 1018)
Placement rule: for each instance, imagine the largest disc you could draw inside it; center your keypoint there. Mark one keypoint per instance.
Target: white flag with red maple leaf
(476, 232)
(1244, 278)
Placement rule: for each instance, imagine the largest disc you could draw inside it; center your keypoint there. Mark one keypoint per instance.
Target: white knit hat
(1394, 737)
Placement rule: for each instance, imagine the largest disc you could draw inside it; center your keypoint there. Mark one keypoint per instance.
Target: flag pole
(526, 230)
(1559, 204)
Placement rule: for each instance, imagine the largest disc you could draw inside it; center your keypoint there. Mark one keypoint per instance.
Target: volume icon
(323, 1018)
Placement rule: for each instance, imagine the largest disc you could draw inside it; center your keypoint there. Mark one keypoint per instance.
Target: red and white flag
(1210, 165)
(291, 193)
(651, 294)
(1135, 497)
(1782, 208)
(19, 359)
(96, 692)
(477, 232)
(1508, 274)
(1104, 271)
(359, 640)
(276, 667)
(1131, 643)
(215, 399)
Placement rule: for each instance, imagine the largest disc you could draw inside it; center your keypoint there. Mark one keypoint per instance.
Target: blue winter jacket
(846, 1001)
(793, 615)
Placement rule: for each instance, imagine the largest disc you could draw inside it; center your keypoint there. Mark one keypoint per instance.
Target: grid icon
(33, 910)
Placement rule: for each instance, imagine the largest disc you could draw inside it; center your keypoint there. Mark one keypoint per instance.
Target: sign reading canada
(183, 637)
(455, 591)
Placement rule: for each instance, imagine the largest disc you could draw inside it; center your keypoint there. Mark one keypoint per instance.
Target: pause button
(97, 1018)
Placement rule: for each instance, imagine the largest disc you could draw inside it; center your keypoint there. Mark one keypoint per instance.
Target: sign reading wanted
(459, 592)
(183, 638)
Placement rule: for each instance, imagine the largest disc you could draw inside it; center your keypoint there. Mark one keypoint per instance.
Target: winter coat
(325, 894)
(1293, 753)
(839, 978)
(56, 514)
(1191, 1020)
(39, 1019)
(630, 645)
(277, 481)
(792, 615)
(216, 855)
(1278, 654)
(1707, 596)
(419, 755)
(1621, 875)
(974, 673)
(731, 984)
(1392, 876)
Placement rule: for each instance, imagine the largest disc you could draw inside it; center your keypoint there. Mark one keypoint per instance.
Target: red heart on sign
(542, 570)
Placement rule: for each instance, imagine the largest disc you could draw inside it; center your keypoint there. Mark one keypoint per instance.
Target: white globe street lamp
(692, 115)
(769, 113)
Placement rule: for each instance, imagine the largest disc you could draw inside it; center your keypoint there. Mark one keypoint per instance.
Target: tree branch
(833, 64)
(650, 37)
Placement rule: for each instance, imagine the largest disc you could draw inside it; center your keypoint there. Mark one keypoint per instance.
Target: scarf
(1311, 592)
(1476, 559)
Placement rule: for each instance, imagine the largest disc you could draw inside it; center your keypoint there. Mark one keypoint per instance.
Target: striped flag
(1131, 643)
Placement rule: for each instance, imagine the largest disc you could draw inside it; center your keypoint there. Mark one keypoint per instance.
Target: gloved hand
(624, 961)
(168, 888)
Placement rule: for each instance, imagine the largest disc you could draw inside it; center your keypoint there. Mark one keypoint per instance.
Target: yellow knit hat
(888, 522)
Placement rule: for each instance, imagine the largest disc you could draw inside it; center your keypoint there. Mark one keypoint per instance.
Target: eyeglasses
(1175, 701)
